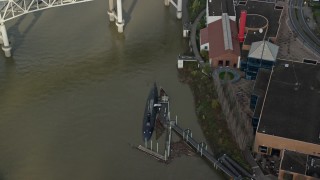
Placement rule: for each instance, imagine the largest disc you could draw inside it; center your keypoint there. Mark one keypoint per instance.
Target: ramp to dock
(152, 153)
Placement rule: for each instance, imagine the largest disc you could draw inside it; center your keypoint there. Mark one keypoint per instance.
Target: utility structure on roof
(10, 9)
(242, 25)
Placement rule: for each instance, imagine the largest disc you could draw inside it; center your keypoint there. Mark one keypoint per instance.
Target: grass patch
(210, 115)
(223, 75)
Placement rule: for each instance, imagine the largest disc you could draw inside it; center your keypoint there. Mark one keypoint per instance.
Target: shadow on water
(127, 14)
(16, 35)
(1, 176)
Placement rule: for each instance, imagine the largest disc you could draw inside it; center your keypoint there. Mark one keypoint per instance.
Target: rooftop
(253, 36)
(260, 87)
(269, 12)
(222, 37)
(301, 163)
(292, 102)
(263, 50)
(217, 7)
(294, 162)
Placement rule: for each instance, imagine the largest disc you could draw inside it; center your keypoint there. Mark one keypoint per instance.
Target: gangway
(202, 150)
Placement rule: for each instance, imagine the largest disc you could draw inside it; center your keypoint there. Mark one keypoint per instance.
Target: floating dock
(152, 153)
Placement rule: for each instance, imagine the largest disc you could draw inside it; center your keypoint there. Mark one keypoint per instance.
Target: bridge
(113, 14)
(10, 9)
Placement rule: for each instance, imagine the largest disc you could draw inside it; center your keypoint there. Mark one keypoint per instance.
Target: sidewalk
(193, 38)
(257, 172)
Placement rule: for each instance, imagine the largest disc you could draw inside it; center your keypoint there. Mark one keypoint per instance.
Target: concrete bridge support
(177, 5)
(116, 15)
(111, 10)
(5, 41)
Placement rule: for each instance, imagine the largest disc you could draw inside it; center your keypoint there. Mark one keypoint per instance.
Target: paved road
(300, 26)
(193, 37)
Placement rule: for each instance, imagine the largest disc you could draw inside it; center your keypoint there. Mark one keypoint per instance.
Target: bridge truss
(10, 9)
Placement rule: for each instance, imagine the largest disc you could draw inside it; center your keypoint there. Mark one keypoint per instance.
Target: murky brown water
(72, 97)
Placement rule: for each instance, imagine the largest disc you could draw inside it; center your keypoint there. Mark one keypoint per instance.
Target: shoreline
(210, 115)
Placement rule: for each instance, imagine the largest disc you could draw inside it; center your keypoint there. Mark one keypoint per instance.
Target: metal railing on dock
(202, 149)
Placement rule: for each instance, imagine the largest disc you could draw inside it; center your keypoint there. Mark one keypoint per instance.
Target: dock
(224, 163)
(152, 153)
(201, 148)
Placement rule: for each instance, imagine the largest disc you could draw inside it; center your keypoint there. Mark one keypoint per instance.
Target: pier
(201, 148)
(224, 163)
(152, 153)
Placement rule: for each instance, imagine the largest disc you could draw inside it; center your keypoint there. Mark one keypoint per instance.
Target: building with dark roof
(262, 22)
(289, 114)
(295, 165)
(215, 9)
(257, 96)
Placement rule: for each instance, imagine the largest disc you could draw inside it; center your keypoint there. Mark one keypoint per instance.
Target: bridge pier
(5, 41)
(118, 16)
(178, 6)
(120, 22)
(111, 10)
(179, 9)
(166, 2)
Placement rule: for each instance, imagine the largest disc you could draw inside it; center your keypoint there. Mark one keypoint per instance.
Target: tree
(204, 54)
(195, 6)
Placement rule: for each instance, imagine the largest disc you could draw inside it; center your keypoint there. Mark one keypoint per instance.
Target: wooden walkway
(152, 153)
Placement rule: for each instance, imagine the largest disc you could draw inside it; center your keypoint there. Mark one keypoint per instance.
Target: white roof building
(263, 50)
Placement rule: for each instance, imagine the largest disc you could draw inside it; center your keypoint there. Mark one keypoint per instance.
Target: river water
(72, 96)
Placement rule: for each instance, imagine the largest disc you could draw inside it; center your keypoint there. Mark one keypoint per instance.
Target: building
(219, 38)
(262, 21)
(262, 54)
(289, 124)
(295, 165)
(257, 96)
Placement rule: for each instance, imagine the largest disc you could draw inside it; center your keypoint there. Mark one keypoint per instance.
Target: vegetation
(195, 7)
(315, 5)
(205, 55)
(226, 75)
(209, 113)
(200, 25)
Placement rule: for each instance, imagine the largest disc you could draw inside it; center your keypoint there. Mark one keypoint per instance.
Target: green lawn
(223, 74)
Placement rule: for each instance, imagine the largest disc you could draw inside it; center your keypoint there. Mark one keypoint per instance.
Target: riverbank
(209, 113)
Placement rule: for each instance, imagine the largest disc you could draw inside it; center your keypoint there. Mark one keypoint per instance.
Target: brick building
(219, 38)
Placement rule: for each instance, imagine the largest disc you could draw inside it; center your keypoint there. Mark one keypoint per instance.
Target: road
(300, 26)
